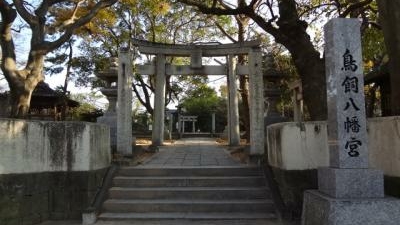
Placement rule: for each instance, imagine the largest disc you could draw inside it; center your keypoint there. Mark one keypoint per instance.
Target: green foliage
(141, 121)
(88, 105)
(373, 48)
(202, 101)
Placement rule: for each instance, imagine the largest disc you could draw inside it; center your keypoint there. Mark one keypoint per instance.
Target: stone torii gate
(196, 51)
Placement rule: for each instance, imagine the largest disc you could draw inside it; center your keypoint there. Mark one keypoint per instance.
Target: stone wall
(296, 150)
(50, 170)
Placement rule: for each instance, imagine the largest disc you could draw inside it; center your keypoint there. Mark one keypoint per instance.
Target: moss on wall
(35, 197)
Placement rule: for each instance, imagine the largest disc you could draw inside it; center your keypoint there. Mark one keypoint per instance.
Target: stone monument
(349, 192)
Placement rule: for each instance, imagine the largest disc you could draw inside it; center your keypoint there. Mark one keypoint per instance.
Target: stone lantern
(110, 90)
(272, 92)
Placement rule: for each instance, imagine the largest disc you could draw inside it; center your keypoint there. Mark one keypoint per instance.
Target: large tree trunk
(20, 99)
(244, 93)
(389, 11)
(311, 67)
(244, 80)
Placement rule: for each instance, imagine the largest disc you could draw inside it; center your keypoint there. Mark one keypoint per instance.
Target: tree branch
(72, 19)
(215, 10)
(8, 58)
(225, 32)
(43, 8)
(27, 16)
(50, 46)
(353, 7)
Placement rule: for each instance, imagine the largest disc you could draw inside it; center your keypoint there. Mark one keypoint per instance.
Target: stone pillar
(193, 126)
(183, 126)
(159, 102)
(179, 124)
(348, 191)
(171, 122)
(124, 108)
(233, 106)
(213, 123)
(347, 127)
(256, 97)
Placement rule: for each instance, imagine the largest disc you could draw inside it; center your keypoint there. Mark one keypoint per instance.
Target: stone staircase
(189, 193)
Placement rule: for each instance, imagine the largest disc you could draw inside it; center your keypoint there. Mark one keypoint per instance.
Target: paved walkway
(191, 152)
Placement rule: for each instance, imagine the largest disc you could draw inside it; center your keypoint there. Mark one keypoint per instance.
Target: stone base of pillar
(351, 183)
(110, 119)
(320, 209)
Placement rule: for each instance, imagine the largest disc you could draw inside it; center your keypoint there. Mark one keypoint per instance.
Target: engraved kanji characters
(350, 87)
(348, 61)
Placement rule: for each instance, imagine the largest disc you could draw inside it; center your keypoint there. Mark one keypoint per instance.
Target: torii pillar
(233, 102)
(124, 103)
(159, 102)
(256, 99)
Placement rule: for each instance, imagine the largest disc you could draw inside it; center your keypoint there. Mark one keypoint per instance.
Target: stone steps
(189, 181)
(188, 216)
(193, 193)
(189, 193)
(126, 206)
(209, 171)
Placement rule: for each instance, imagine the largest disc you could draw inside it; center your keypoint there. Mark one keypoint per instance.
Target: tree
(289, 28)
(390, 21)
(88, 105)
(202, 101)
(52, 23)
(152, 20)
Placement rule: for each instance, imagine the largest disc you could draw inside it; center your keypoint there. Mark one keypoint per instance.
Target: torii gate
(231, 68)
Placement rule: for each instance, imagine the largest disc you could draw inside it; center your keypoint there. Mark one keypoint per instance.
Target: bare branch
(27, 16)
(43, 8)
(225, 32)
(354, 7)
(309, 9)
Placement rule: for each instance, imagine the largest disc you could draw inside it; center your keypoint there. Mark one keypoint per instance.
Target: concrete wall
(384, 144)
(296, 150)
(301, 146)
(41, 146)
(297, 146)
(50, 170)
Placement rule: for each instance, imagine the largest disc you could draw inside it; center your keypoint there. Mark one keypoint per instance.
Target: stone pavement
(191, 152)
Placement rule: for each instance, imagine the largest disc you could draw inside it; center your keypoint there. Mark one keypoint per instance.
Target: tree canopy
(51, 23)
(202, 101)
(152, 20)
(287, 22)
